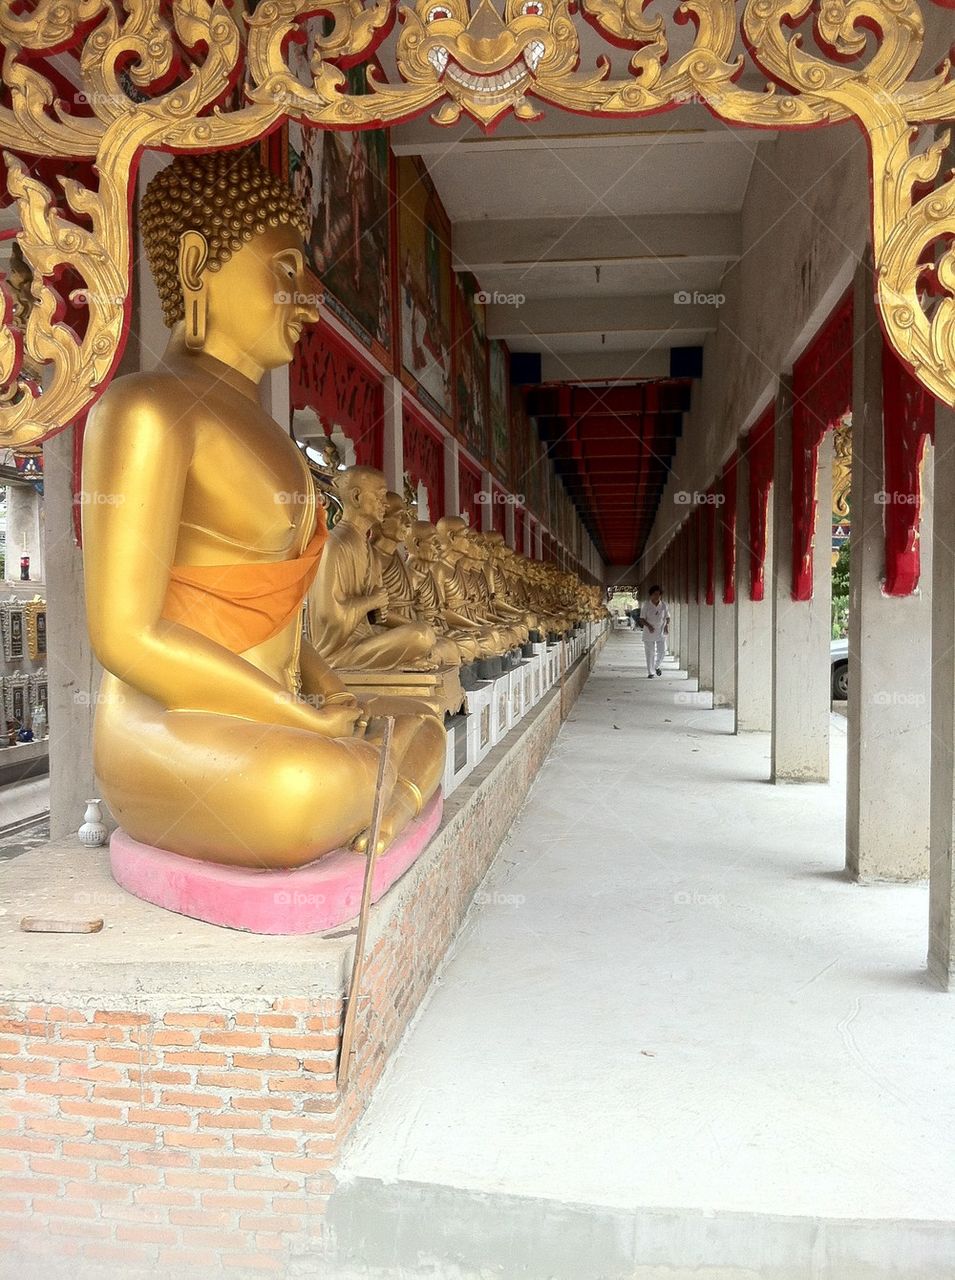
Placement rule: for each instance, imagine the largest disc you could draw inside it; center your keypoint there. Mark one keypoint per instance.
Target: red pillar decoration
(908, 420)
(329, 376)
(822, 395)
(727, 522)
(424, 458)
(758, 447)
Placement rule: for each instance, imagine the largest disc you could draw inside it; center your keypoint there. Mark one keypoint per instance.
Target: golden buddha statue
(387, 541)
(221, 734)
(349, 617)
(496, 551)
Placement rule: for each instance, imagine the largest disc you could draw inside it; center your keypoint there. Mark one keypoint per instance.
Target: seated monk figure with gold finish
(424, 549)
(349, 616)
(457, 574)
(220, 734)
(498, 553)
(387, 543)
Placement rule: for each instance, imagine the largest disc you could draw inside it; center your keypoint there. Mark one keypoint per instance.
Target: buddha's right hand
(337, 721)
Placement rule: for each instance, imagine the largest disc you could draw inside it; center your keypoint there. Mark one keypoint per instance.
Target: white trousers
(655, 647)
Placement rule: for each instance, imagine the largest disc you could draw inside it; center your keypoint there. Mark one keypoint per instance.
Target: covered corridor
(673, 1033)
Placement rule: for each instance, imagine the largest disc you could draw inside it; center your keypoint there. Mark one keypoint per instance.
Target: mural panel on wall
(470, 366)
(424, 287)
(498, 380)
(345, 181)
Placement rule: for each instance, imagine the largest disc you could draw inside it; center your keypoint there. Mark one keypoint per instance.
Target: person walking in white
(656, 626)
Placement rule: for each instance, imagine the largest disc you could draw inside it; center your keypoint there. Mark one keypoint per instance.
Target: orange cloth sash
(243, 605)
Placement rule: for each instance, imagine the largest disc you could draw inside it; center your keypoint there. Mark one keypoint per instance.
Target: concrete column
(754, 623)
(890, 658)
(941, 947)
(509, 526)
(672, 587)
(24, 532)
(452, 478)
(526, 548)
(801, 628)
(393, 452)
(74, 674)
(487, 508)
(723, 634)
(707, 625)
(695, 579)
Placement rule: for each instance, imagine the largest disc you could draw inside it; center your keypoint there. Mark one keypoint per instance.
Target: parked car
(839, 655)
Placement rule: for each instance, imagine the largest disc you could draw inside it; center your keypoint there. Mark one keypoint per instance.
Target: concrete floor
(671, 1029)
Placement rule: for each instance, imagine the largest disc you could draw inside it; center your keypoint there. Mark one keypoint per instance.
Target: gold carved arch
(163, 74)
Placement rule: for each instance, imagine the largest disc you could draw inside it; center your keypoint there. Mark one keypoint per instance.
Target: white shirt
(658, 615)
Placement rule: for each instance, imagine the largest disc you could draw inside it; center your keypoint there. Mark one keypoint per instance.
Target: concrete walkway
(672, 1038)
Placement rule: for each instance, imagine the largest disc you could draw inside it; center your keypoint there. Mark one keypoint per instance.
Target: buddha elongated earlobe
(193, 256)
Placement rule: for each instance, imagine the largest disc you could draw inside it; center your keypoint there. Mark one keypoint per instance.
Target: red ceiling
(612, 448)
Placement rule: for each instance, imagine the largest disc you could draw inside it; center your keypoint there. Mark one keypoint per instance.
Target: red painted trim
(758, 449)
(822, 395)
(727, 523)
(908, 420)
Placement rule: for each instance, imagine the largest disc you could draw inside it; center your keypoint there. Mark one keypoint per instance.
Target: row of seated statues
(224, 730)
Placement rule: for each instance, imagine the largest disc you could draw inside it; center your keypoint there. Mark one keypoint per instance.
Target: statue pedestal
(440, 688)
(310, 899)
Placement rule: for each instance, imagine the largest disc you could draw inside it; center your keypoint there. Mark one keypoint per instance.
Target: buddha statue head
(225, 240)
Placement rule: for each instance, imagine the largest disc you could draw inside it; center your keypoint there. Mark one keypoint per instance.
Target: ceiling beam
(604, 366)
(657, 313)
(527, 242)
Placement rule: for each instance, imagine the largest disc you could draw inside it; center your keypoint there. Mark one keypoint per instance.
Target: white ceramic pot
(94, 831)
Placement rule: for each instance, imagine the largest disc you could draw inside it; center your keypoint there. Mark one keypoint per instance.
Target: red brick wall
(169, 1139)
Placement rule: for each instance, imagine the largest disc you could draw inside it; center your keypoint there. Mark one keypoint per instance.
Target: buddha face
(258, 301)
(424, 542)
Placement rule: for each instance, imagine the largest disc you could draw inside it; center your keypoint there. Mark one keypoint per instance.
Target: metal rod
(358, 963)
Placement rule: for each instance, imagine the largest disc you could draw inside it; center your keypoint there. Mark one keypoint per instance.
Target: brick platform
(168, 1103)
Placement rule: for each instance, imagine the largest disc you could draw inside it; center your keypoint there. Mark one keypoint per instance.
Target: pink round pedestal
(320, 896)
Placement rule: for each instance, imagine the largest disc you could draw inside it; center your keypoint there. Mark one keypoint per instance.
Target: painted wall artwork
(498, 389)
(470, 366)
(424, 287)
(345, 181)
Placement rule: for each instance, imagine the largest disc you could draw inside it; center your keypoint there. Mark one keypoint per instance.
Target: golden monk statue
(460, 576)
(348, 605)
(387, 544)
(220, 734)
(424, 549)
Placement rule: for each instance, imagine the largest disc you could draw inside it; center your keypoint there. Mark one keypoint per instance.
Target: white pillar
(24, 536)
(801, 628)
(890, 659)
(487, 508)
(509, 526)
(941, 948)
(754, 622)
(452, 478)
(393, 453)
(74, 674)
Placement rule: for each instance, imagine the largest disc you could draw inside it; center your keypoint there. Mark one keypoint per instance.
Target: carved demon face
(484, 62)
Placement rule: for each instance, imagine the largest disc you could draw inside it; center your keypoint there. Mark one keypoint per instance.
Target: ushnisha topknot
(227, 196)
